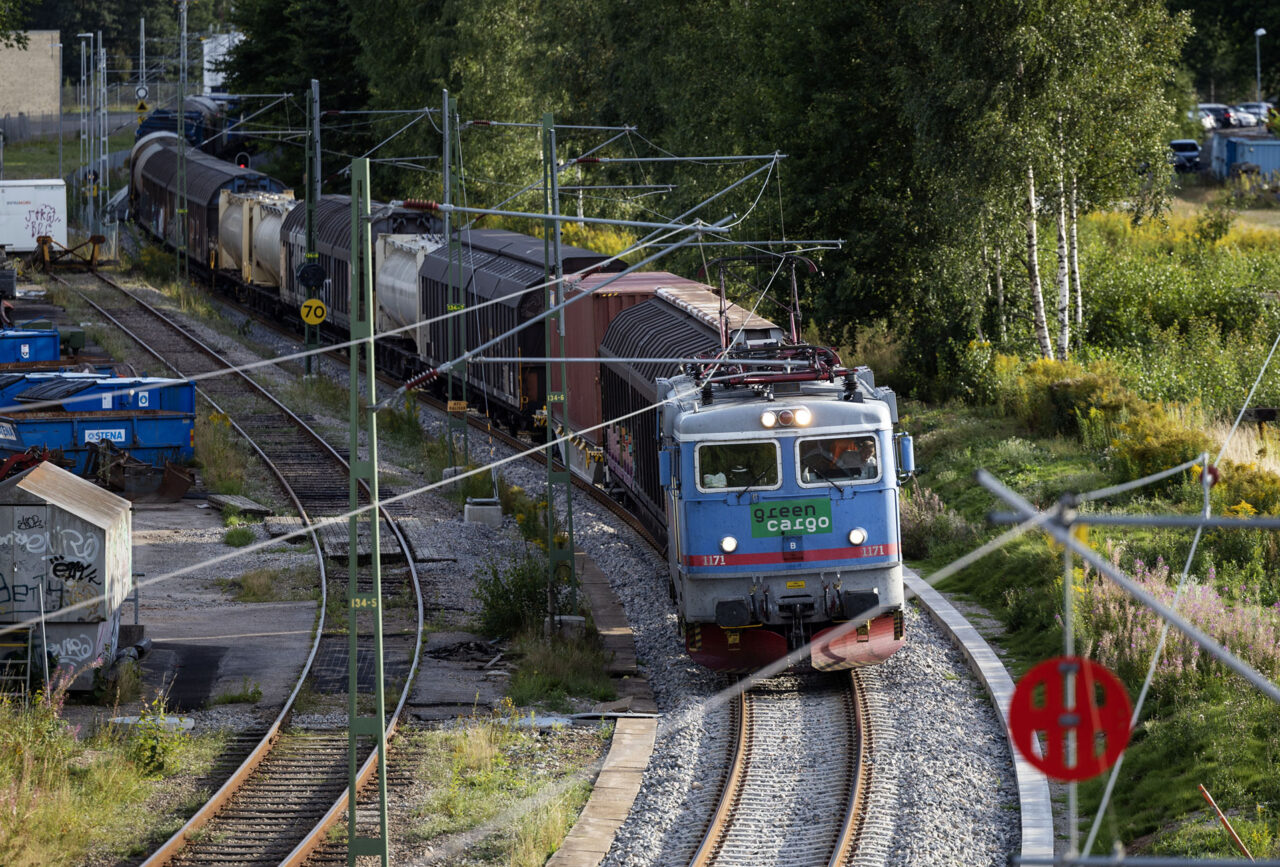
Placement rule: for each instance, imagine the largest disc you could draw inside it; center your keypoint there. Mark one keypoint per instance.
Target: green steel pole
(182, 145)
(556, 378)
(311, 333)
(456, 327)
(369, 603)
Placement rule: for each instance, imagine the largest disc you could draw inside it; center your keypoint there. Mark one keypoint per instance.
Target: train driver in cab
(838, 459)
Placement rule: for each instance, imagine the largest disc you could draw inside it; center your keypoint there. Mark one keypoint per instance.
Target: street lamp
(84, 120)
(58, 45)
(1257, 47)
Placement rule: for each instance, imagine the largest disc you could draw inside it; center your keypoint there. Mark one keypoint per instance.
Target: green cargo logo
(790, 517)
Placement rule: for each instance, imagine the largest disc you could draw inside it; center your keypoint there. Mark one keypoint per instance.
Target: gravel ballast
(944, 771)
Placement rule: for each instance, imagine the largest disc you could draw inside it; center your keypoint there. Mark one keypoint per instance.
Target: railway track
(277, 806)
(794, 789)
(775, 807)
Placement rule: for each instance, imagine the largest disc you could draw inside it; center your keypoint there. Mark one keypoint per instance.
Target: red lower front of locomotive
(834, 648)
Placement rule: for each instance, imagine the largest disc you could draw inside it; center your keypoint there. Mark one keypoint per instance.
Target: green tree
(13, 22)
(285, 46)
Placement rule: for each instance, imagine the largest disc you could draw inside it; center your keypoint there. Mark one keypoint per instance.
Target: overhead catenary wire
(1156, 655)
(1061, 532)
(383, 501)
(342, 519)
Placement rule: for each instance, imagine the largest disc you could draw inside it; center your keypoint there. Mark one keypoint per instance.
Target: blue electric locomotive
(781, 472)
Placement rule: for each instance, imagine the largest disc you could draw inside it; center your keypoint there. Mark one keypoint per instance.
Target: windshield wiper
(827, 478)
(752, 484)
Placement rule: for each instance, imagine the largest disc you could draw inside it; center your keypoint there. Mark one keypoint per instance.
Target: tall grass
(220, 454)
(1122, 634)
(526, 787)
(552, 671)
(62, 798)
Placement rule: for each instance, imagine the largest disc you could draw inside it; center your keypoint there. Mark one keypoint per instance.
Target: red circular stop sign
(1098, 716)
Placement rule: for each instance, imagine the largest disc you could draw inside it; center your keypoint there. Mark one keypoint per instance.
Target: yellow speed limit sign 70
(314, 311)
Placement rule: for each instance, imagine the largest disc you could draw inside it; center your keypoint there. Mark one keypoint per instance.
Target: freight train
(208, 123)
(771, 469)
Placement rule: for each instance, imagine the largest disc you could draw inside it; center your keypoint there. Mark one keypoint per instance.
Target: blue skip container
(93, 392)
(24, 345)
(152, 436)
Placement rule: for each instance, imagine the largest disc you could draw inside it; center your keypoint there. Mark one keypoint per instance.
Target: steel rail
(852, 825)
(219, 799)
(732, 791)
(737, 780)
(313, 839)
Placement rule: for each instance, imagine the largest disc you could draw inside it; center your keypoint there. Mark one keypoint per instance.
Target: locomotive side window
(836, 460)
(738, 466)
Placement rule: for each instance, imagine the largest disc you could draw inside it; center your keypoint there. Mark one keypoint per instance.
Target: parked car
(1184, 154)
(1221, 114)
(1260, 110)
(1243, 117)
(1207, 120)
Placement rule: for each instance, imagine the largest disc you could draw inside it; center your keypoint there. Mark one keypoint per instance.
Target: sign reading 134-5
(314, 311)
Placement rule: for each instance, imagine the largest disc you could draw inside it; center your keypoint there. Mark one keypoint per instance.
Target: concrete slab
(200, 636)
(490, 516)
(455, 677)
(426, 544)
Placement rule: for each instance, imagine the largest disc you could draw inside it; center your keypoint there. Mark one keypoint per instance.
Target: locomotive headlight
(786, 417)
(768, 418)
(728, 544)
(803, 416)
(857, 536)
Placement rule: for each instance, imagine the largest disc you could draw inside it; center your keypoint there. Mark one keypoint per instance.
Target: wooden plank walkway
(283, 526)
(244, 504)
(335, 541)
(426, 544)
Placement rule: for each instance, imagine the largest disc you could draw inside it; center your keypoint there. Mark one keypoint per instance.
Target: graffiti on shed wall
(52, 569)
(41, 220)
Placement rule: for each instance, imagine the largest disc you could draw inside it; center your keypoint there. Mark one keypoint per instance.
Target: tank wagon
(333, 244)
(156, 193)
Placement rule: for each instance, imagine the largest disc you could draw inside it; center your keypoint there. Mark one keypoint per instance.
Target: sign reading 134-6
(314, 311)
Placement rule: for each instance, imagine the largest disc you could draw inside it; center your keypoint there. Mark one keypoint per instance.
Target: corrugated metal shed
(58, 487)
(66, 560)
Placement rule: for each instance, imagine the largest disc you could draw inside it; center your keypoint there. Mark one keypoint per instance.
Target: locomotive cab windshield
(837, 460)
(738, 466)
